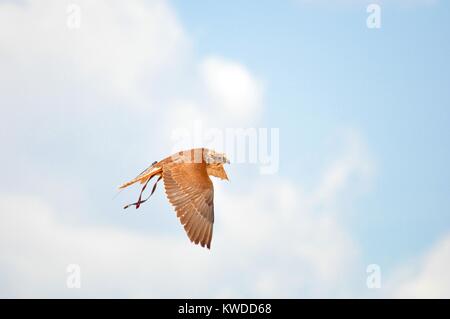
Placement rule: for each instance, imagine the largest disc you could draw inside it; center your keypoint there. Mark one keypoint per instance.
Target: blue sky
(326, 69)
(364, 122)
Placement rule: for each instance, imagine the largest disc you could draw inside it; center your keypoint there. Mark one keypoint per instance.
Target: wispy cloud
(426, 276)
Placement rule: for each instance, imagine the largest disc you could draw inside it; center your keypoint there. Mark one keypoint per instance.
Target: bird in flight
(188, 188)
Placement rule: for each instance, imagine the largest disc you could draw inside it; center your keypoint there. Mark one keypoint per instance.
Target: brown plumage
(188, 188)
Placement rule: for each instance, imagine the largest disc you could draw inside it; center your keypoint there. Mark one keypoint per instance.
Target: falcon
(188, 188)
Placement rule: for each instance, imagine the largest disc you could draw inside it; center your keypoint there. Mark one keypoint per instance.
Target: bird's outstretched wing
(190, 190)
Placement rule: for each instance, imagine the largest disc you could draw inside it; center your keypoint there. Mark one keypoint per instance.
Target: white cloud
(427, 277)
(135, 56)
(113, 50)
(231, 88)
(37, 246)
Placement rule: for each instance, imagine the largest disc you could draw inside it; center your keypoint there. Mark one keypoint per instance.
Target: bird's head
(214, 163)
(213, 157)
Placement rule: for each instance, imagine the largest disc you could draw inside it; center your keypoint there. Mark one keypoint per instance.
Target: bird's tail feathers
(144, 177)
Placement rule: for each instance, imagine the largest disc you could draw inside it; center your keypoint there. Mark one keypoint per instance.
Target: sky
(355, 203)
